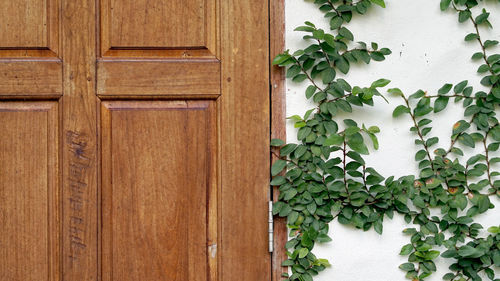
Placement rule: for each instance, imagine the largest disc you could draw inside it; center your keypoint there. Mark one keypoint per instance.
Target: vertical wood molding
(245, 119)
(278, 125)
(79, 139)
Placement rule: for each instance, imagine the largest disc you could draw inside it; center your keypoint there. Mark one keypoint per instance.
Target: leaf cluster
(323, 176)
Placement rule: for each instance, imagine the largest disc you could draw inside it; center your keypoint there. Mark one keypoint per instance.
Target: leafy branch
(327, 178)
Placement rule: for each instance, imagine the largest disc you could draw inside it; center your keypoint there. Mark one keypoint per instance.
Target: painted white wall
(428, 51)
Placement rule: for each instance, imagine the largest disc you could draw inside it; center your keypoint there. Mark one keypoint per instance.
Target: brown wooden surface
(158, 24)
(155, 209)
(206, 114)
(21, 78)
(28, 25)
(24, 23)
(79, 141)
(245, 123)
(29, 193)
(278, 131)
(159, 77)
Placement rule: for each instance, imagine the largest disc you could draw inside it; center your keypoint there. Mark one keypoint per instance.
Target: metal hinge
(271, 227)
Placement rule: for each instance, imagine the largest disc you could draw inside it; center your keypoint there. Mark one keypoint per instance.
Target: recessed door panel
(159, 190)
(29, 28)
(29, 194)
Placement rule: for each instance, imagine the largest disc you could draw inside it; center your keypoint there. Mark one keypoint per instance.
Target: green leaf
(444, 4)
(377, 56)
(356, 157)
(477, 56)
(440, 104)
(288, 262)
(277, 142)
(342, 64)
(293, 71)
(344, 32)
(483, 68)
(482, 18)
(494, 229)
(310, 91)
(493, 58)
(279, 59)
(277, 167)
(401, 109)
(336, 22)
(418, 94)
(334, 140)
(359, 147)
(489, 43)
(407, 266)
(378, 226)
(303, 133)
(463, 15)
(381, 3)
(460, 126)
(289, 194)
(344, 105)
(303, 252)
(299, 78)
(460, 87)
(445, 89)
(279, 180)
(287, 149)
(471, 36)
(395, 91)
(380, 83)
(469, 252)
(406, 250)
(328, 75)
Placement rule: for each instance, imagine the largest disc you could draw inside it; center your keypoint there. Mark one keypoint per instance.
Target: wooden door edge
(278, 118)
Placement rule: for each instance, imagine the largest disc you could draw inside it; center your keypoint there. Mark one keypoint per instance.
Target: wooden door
(134, 140)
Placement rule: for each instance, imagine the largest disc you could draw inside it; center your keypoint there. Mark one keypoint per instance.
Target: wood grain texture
(24, 23)
(158, 185)
(19, 78)
(165, 77)
(245, 120)
(278, 126)
(79, 119)
(29, 193)
(29, 28)
(164, 25)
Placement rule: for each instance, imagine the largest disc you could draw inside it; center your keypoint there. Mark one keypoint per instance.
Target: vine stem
(476, 27)
(344, 151)
(451, 96)
(488, 163)
(419, 132)
(454, 140)
(325, 54)
(480, 41)
(307, 75)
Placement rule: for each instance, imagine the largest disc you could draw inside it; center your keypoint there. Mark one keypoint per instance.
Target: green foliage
(324, 176)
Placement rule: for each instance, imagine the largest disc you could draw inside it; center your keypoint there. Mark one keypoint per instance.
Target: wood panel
(159, 183)
(29, 28)
(200, 78)
(278, 126)
(134, 27)
(245, 120)
(79, 144)
(29, 193)
(20, 78)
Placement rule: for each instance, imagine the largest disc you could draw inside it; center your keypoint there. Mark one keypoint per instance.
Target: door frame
(71, 76)
(278, 124)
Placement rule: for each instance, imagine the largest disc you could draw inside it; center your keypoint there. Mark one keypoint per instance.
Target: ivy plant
(324, 176)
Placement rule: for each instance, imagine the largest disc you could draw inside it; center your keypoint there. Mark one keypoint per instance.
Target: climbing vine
(324, 177)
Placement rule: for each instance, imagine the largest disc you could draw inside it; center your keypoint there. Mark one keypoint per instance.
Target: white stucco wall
(428, 51)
